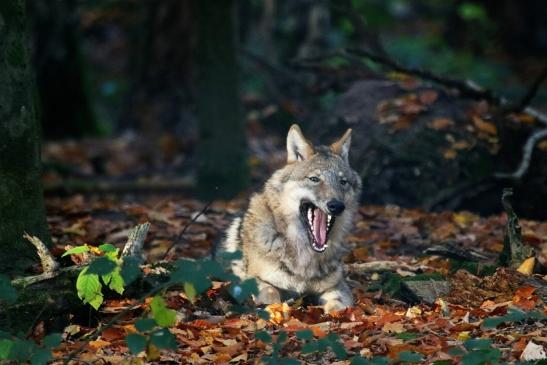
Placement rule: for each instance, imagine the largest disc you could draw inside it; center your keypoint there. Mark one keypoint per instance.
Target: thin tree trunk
(222, 147)
(21, 199)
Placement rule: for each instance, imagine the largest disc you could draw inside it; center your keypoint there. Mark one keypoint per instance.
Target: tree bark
(65, 106)
(21, 199)
(222, 170)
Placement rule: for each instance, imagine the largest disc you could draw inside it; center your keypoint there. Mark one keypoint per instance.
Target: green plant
(106, 269)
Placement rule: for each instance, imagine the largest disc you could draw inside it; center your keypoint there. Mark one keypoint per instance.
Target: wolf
(292, 234)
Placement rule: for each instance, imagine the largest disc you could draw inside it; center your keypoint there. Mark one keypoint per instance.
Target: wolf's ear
(341, 147)
(298, 147)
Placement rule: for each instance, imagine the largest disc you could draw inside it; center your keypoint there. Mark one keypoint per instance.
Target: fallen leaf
(533, 352)
(98, 344)
(279, 312)
(428, 96)
(450, 154)
(441, 123)
(484, 126)
(396, 327)
(527, 266)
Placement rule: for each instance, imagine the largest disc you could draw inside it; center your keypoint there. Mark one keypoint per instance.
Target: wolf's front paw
(333, 306)
(268, 295)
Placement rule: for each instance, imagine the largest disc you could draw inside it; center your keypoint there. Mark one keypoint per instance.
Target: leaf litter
(383, 323)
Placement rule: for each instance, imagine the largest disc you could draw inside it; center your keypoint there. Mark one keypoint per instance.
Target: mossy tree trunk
(21, 199)
(222, 144)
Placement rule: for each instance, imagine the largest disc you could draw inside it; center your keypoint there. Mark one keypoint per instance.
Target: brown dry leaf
(396, 327)
(450, 154)
(484, 126)
(441, 123)
(543, 145)
(428, 96)
(243, 357)
(360, 254)
(461, 145)
(98, 344)
(279, 312)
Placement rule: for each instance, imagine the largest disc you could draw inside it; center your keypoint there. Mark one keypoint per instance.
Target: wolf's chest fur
(292, 235)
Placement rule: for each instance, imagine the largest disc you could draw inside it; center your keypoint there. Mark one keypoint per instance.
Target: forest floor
(383, 323)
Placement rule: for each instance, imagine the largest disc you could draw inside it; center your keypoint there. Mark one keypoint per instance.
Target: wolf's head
(318, 190)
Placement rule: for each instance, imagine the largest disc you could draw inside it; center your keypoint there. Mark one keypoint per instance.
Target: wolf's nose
(335, 207)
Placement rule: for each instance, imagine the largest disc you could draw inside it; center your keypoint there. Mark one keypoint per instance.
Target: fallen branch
(49, 264)
(185, 228)
(527, 151)
(379, 266)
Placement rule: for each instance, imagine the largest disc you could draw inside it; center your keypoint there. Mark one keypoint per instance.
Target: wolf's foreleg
(336, 298)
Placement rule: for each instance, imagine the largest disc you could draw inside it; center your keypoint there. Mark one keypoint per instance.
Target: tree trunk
(21, 199)
(222, 146)
(65, 106)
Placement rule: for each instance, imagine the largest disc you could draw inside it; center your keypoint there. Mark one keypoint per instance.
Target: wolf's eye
(343, 182)
(314, 179)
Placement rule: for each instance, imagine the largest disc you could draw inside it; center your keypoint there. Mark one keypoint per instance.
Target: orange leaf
(484, 126)
(525, 292)
(441, 123)
(98, 344)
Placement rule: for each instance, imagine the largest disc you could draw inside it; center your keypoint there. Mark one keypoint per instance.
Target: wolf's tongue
(320, 226)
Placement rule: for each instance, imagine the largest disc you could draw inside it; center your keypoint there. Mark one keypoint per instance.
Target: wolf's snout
(335, 207)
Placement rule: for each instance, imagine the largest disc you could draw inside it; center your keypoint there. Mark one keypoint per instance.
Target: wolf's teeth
(310, 216)
(329, 217)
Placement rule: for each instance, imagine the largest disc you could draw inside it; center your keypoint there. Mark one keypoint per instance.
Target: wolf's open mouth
(319, 225)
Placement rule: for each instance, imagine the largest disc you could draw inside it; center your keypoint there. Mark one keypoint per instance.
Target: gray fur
(273, 237)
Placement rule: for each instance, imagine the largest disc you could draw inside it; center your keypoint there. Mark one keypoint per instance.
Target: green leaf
(339, 350)
(309, 347)
(5, 348)
(263, 336)
(107, 247)
(40, 356)
(163, 316)
(145, 324)
(304, 335)
(443, 362)
(89, 288)
(102, 266)
(130, 270)
(243, 290)
(163, 339)
(409, 356)
(378, 360)
(76, 250)
(190, 291)
(8, 294)
(287, 361)
(261, 313)
(456, 351)
(116, 281)
(136, 343)
(406, 336)
(477, 344)
(53, 340)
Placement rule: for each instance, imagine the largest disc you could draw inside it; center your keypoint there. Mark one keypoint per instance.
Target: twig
(135, 242)
(527, 151)
(185, 228)
(49, 264)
